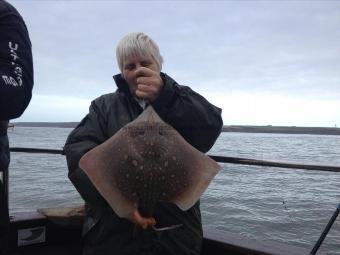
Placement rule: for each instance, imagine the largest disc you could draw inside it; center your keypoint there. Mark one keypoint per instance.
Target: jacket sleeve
(16, 66)
(197, 120)
(88, 134)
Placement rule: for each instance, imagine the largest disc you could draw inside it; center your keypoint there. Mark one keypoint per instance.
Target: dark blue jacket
(16, 67)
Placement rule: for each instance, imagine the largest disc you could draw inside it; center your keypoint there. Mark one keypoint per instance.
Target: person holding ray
(141, 83)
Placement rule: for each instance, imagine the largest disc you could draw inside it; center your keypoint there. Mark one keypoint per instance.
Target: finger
(142, 221)
(143, 95)
(146, 80)
(146, 88)
(149, 93)
(137, 218)
(148, 222)
(144, 72)
(145, 91)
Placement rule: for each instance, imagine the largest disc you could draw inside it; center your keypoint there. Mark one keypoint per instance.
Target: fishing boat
(52, 231)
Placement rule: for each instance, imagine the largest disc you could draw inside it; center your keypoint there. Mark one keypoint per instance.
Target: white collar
(141, 102)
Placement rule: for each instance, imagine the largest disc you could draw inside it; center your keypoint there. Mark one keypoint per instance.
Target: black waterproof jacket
(16, 67)
(198, 121)
(4, 162)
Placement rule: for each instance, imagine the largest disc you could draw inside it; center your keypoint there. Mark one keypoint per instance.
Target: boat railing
(220, 159)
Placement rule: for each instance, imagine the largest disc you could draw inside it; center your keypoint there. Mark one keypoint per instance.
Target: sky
(262, 62)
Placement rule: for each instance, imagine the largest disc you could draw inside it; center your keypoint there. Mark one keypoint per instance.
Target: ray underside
(145, 162)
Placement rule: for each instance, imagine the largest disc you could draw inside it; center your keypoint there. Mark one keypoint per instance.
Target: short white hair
(137, 43)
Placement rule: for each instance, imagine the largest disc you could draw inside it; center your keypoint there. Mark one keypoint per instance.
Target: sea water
(263, 203)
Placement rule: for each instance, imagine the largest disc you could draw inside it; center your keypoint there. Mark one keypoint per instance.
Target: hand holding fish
(149, 84)
(141, 221)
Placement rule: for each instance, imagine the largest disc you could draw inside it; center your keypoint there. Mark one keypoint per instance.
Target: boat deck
(51, 249)
(62, 236)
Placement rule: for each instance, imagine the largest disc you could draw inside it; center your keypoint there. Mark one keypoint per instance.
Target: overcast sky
(262, 62)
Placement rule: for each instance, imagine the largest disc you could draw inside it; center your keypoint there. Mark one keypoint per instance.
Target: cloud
(50, 108)
(289, 49)
(267, 109)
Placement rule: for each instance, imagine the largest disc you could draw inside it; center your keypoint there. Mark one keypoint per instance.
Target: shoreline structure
(226, 128)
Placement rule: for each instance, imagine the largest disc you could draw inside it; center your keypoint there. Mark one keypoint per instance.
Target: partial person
(141, 82)
(16, 83)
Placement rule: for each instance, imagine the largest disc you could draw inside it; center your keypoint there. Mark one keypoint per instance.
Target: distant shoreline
(283, 130)
(229, 128)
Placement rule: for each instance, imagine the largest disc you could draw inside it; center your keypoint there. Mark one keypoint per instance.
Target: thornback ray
(148, 161)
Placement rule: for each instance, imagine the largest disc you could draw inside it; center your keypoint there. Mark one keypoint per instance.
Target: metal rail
(37, 150)
(221, 159)
(326, 230)
(255, 162)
